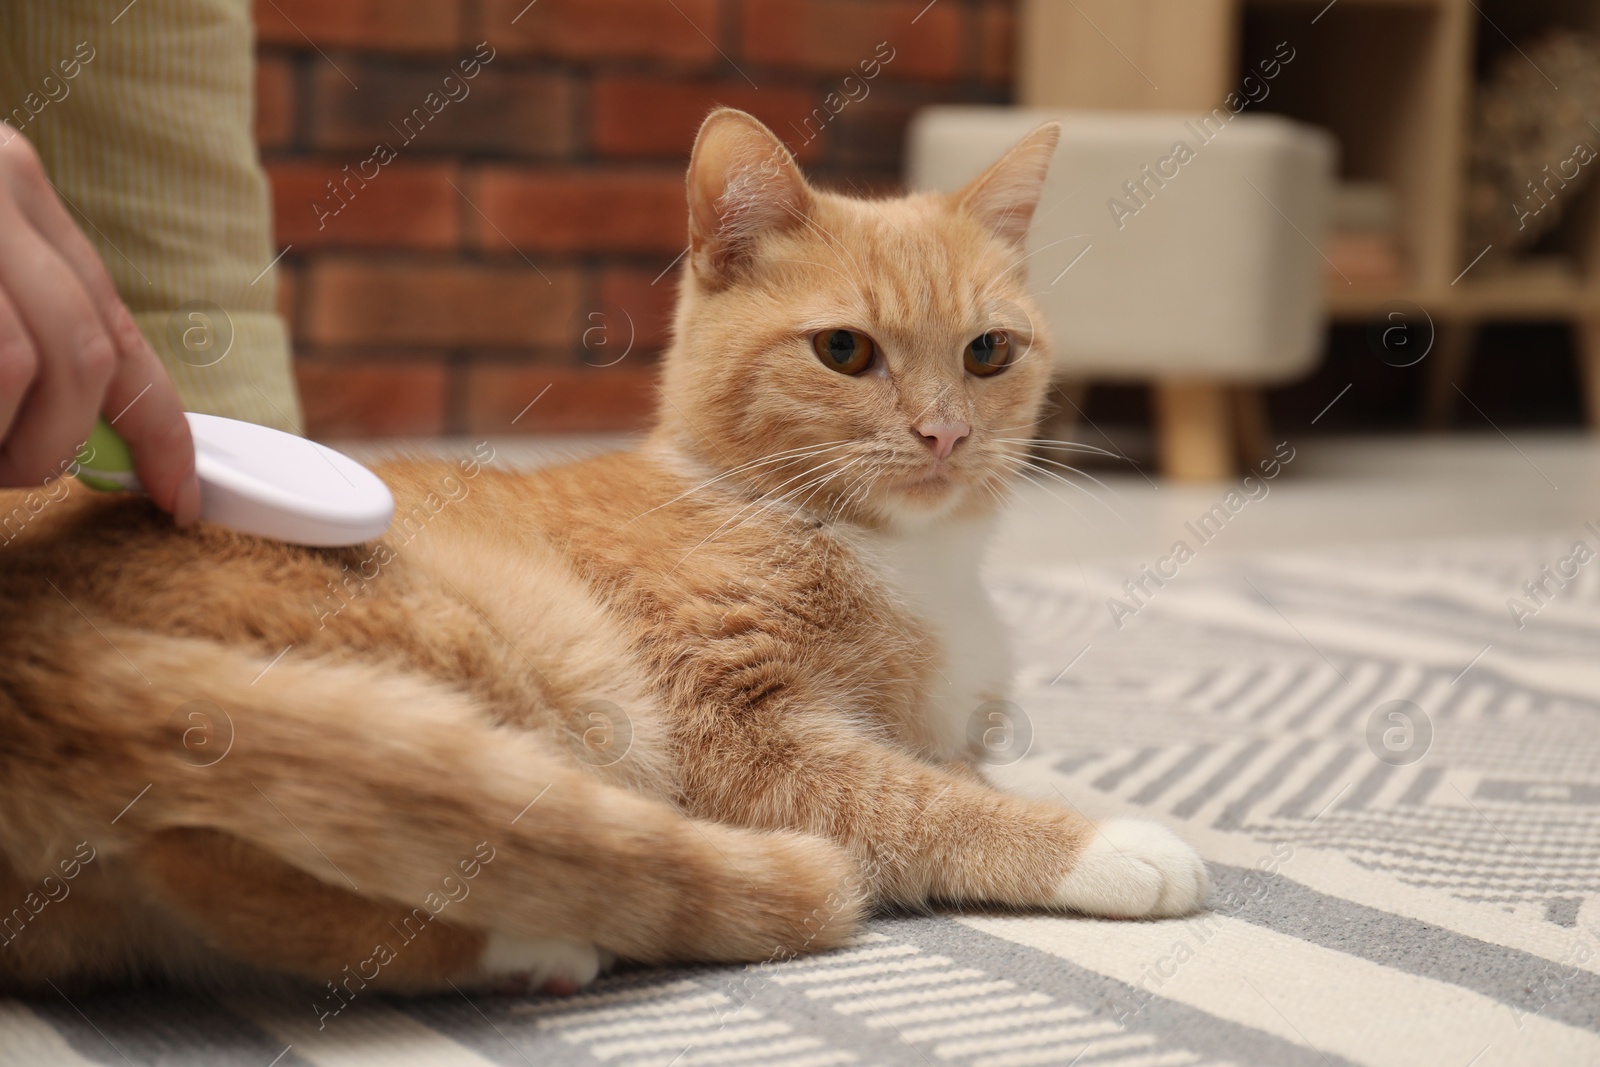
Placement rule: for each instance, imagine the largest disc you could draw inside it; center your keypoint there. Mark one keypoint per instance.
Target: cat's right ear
(743, 182)
(1005, 195)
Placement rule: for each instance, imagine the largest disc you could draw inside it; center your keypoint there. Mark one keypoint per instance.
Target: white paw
(1133, 868)
(521, 965)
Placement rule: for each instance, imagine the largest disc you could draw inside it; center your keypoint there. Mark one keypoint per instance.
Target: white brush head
(262, 481)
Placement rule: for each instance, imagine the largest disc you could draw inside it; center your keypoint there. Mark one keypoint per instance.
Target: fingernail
(186, 504)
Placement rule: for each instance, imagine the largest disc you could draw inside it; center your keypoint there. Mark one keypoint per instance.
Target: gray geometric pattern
(1266, 732)
(1236, 707)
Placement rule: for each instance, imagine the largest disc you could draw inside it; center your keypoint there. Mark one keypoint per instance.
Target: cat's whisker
(828, 543)
(789, 454)
(806, 473)
(1074, 470)
(814, 485)
(1073, 446)
(1021, 462)
(1004, 480)
(866, 460)
(1059, 446)
(876, 474)
(841, 472)
(805, 505)
(1046, 472)
(724, 476)
(999, 490)
(733, 523)
(1031, 427)
(1043, 488)
(860, 486)
(777, 492)
(799, 457)
(1001, 487)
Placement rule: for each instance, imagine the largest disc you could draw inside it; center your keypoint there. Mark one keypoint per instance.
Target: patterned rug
(1393, 770)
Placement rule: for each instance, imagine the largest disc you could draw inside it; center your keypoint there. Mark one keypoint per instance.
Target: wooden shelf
(1531, 293)
(1317, 5)
(1394, 81)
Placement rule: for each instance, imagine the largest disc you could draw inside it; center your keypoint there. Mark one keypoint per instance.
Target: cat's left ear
(742, 183)
(1004, 196)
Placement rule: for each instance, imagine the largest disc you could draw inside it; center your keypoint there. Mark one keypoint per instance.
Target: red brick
(274, 115)
(356, 302)
(871, 135)
(405, 205)
(580, 211)
(835, 36)
(496, 111)
(384, 25)
(635, 116)
(633, 314)
(605, 29)
(997, 38)
(579, 400)
(371, 399)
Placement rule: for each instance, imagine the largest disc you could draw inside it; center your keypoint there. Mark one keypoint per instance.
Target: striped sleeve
(142, 116)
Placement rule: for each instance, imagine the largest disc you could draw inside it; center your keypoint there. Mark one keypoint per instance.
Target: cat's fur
(769, 612)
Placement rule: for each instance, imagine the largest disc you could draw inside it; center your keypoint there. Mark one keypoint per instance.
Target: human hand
(69, 350)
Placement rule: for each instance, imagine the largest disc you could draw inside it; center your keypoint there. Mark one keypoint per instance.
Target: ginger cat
(704, 700)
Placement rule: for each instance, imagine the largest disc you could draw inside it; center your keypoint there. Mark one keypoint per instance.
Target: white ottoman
(1173, 248)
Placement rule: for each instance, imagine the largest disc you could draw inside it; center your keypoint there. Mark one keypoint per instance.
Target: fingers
(76, 356)
(149, 416)
(135, 390)
(18, 363)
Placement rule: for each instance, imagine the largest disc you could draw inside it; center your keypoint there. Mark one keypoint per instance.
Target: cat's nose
(941, 436)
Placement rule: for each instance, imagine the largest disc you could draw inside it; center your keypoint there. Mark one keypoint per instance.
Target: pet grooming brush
(261, 481)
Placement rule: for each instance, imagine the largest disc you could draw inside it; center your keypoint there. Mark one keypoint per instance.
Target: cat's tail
(391, 787)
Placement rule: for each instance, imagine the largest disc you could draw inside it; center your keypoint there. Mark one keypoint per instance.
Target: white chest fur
(935, 572)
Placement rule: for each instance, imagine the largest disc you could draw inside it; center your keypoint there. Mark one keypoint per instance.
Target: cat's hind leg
(257, 908)
(398, 789)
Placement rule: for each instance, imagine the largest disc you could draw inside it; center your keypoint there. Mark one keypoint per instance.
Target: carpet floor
(1396, 786)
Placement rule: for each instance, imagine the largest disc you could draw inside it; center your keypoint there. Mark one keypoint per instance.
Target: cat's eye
(989, 354)
(845, 351)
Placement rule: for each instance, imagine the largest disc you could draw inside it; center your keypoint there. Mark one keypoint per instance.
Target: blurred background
(523, 236)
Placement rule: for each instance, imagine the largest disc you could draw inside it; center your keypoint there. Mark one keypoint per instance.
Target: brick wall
(512, 237)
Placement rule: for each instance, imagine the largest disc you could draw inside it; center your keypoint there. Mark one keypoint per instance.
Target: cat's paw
(518, 966)
(1134, 869)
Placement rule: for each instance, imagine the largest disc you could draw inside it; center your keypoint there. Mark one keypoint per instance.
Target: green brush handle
(109, 465)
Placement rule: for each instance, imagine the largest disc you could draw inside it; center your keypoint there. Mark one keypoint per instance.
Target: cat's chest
(935, 573)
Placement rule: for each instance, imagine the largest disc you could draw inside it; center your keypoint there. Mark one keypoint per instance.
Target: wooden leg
(1194, 430)
(1250, 425)
(1069, 397)
(1587, 334)
(1447, 366)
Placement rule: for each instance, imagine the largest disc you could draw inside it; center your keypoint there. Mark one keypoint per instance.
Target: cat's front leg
(1134, 868)
(926, 833)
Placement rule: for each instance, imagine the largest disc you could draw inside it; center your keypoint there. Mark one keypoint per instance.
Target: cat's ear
(742, 183)
(1004, 196)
